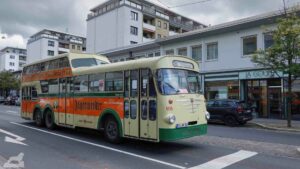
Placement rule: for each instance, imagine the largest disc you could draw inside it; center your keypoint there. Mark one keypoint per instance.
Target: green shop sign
(260, 74)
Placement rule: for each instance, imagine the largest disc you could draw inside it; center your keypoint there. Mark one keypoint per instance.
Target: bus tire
(38, 118)
(49, 120)
(111, 130)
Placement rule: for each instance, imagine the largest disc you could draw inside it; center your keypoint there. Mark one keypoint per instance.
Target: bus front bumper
(182, 133)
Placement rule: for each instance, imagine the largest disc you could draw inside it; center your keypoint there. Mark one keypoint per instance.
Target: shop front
(263, 90)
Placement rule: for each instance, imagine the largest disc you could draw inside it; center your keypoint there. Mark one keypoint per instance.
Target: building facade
(119, 23)
(224, 54)
(12, 59)
(47, 43)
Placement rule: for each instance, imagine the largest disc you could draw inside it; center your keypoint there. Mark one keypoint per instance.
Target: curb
(275, 128)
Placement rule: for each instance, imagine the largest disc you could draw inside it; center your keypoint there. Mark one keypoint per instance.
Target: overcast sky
(21, 18)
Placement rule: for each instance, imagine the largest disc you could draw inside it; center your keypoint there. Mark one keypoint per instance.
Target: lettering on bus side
(79, 105)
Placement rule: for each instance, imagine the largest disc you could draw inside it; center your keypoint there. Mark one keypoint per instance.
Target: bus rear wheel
(38, 118)
(49, 120)
(111, 130)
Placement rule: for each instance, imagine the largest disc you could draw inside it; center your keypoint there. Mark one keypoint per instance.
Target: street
(23, 145)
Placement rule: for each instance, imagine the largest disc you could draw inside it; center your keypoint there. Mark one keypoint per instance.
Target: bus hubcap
(111, 130)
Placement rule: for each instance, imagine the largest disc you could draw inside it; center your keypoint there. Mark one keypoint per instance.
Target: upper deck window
(87, 62)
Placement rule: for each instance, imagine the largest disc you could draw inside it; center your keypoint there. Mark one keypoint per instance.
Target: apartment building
(118, 23)
(12, 59)
(224, 55)
(48, 43)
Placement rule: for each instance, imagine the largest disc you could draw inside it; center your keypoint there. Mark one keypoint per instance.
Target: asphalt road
(222, 147)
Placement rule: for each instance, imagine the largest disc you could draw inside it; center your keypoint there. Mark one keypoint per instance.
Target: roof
(72, 55)
(44, 30)
(8, 47)
(253, 21)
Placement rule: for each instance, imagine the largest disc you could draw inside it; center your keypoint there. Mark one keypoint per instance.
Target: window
(50, 53)
(159, 24)
(50, 43)
(133, 109)
(134, 75)
(159, 36)
(133, 42)
(249, 45)
(133, 30)
(197, 53)
(12, 56)
(54, 64)
(11, 64)
(152, 110)
(126, 108)
(165, 25)
(64, 62)
(145, 82)
(78, 47)
(212, 51)
(114, 81)
(157, 53)
(86, 62)
(268, 40)
(96, 83)
(144, 110)
(33, 93)
(81, 84)
(170, 52)
(44, 86)
(73, 46)
(182, 51)
(150, 55)
(53, 86)
(134, 16)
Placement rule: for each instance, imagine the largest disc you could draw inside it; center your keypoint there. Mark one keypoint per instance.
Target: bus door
(148, 122)
(131, 106)
(65, 101)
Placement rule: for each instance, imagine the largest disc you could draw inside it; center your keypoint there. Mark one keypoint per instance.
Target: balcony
(147, 39)
(180, 24)
(171, 33)
(149, 27)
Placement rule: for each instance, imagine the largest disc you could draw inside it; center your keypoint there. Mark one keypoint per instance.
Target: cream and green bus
(153, 99)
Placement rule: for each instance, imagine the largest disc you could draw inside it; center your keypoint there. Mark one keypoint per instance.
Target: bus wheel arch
(109, 118)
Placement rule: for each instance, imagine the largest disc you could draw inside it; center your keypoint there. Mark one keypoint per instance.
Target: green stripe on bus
(181, 133)
(83, 95)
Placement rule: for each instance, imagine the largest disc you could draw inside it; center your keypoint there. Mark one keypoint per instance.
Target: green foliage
(284, 54)
(8, 81)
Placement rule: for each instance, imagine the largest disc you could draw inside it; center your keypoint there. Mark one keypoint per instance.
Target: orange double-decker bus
(153, 99)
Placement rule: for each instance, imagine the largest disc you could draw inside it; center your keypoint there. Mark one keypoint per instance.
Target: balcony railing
(149, 27)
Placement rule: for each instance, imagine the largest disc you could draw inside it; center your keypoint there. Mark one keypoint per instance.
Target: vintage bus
(154, 99)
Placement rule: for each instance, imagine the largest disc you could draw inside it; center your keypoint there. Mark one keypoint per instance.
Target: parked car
(1, 99)
(231, 112)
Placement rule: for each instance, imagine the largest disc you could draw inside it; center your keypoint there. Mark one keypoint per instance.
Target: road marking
(17, 139)
(226, 161)
(15, 162)
(102, 146)
(13, 112)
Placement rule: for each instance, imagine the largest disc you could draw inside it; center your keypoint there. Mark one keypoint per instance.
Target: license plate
(248, 111)
(181, 125)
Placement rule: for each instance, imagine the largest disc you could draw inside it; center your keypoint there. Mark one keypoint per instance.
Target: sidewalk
(274, 124)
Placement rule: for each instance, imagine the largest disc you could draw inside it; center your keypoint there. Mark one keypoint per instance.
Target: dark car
(231, 112)
(10, 100)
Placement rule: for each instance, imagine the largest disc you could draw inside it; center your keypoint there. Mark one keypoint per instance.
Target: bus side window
(144, 83)
(81, 84)
(126, 108)
(152, 91)
(144, 110)
(134, 74)
(96, 82)
(34, 95)
(53, 86)
(64, 62)
(44, 86)
(126, 84)
(152, 110)
(114, 81)
(133, 109)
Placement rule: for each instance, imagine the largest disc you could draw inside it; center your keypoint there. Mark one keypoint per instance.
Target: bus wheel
(49, 120)
(38, 118)
(111, 130)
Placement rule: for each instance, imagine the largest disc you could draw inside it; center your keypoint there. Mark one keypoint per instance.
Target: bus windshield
(86, 62)
(178, 81)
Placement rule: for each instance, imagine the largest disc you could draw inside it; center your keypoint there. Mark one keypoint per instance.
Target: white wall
(230, 49)
(112, 30)
(6, 60)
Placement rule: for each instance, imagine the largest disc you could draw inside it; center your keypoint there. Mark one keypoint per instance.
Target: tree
(284, 54)
(8, 82)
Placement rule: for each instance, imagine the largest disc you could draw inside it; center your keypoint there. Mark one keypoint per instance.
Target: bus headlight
(171, 118)
(207, 115)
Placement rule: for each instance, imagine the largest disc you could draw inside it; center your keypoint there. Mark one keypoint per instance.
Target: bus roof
(71, 56)
(152, 63)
